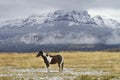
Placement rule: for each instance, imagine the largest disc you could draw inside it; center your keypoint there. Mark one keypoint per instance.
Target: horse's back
(56, 59)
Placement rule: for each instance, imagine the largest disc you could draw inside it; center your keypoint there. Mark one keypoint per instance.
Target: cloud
(57, 38)
(22, 8)
(108, 4)
(114, 39)
(113, 13)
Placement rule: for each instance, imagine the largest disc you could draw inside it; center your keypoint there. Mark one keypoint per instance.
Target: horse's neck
(44, 57)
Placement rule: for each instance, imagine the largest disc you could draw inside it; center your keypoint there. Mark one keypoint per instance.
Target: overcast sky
(10, 9)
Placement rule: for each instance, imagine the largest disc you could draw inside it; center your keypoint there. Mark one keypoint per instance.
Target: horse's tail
(62, 65)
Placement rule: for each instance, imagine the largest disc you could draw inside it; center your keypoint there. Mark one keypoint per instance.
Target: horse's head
(39, 54)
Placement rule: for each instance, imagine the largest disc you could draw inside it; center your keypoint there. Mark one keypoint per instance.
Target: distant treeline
(113, 50)
(58, 47)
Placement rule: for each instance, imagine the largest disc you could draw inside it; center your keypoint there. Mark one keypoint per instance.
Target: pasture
(77, 66)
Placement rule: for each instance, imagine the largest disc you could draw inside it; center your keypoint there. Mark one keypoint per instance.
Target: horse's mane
(53, 55)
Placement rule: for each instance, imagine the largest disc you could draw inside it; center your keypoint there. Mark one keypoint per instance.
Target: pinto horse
(49, 59)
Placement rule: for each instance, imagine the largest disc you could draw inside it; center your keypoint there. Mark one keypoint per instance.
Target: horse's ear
(46, 54)
(41, 52)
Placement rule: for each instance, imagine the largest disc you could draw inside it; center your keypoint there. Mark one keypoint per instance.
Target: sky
(12, 9)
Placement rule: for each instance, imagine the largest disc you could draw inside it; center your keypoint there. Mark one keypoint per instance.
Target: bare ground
(41, 73)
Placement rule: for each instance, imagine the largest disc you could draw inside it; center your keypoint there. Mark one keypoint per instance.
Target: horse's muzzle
(37, 56)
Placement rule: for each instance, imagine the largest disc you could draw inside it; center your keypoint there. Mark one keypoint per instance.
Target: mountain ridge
(59, 27)
(74, 16)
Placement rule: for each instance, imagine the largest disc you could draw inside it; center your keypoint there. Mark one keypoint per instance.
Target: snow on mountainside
(74, 18)
(60, 27)
(103, 22)
(11, 23)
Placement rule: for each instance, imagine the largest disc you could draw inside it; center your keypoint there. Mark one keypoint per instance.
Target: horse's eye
(46, 54)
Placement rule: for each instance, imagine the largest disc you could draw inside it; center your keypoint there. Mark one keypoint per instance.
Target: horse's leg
(59, 67)
(48, 69)
(62, 65)
(47, 65)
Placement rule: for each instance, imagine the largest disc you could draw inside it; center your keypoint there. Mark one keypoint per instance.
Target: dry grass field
(77, 66)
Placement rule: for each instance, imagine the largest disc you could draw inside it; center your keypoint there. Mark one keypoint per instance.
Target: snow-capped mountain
(59, 27)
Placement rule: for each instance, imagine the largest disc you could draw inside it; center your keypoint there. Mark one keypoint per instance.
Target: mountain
(59, 30)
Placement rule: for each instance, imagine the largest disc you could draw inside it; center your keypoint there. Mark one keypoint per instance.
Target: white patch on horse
(49, 59)
(44, 54)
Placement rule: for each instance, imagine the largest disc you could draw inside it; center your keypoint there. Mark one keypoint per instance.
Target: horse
(50, 59)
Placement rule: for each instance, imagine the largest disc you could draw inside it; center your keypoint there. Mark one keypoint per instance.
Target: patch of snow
(72, 23)
(41, 73)
(104, 22)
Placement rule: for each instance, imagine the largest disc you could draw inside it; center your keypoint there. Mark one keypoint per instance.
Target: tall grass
(106, 61)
